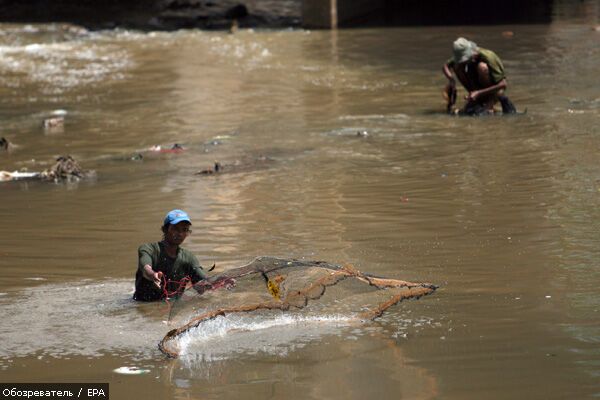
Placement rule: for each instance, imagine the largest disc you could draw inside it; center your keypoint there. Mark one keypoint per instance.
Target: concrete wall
(319, 13)
(333, 13)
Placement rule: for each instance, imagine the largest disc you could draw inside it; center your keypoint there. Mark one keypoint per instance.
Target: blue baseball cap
(176, 216)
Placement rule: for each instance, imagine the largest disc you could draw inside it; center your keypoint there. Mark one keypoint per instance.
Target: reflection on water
(338, 366)
(499, 211)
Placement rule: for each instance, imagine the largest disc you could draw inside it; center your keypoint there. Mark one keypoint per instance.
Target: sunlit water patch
(58, 61)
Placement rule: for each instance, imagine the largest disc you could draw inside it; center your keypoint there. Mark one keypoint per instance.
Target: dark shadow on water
(442, 113)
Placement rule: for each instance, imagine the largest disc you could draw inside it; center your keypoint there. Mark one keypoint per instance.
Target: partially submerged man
(481, 73)
(164, 268)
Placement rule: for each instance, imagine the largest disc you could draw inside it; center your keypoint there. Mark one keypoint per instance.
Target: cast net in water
(269, 283)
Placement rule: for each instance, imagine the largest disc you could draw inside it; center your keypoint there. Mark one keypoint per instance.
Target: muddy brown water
(502, 213)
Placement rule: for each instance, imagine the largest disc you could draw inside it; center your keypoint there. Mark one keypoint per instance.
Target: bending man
(481, 73)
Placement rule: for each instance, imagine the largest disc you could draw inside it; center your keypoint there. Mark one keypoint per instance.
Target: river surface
(501, 212)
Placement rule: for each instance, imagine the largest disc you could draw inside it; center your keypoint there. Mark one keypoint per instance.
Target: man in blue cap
(164, 268)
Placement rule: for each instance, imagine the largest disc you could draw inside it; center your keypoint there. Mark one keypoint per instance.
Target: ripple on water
(91, 319)
(77, 319)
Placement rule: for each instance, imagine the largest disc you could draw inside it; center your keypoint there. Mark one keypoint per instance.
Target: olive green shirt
(493, 62)
(175, 270)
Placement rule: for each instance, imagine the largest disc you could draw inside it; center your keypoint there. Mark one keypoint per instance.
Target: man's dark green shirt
(174, 270)
(493, 62)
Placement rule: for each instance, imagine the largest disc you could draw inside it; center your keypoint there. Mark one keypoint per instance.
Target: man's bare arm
(152, 275)
(448, 74)
(474, 95)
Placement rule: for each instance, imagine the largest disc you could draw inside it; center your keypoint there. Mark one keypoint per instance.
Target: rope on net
(298, 298)
(179, 285)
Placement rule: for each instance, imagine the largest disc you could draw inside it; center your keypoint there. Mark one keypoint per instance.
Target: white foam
(30, 29)
(130, 371)
(373, 116)
(217, 338)
(64, 65)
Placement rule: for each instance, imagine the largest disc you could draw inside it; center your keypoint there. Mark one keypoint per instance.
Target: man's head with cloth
(463, 50)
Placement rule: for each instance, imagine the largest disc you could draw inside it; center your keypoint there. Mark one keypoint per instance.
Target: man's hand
(227, 283)
(473, 96)
(202, 286)
(449, 94)
(157, 279)
(153, 276)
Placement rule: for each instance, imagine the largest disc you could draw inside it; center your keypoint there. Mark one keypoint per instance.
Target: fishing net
(269, 283)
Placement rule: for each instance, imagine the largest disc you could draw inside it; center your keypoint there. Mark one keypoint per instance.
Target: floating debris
(131, 371)
(65, 168)
(59, 113)
(4, 144)
(208, 171)
(6, 176)
(54, 122)
(176, 148)
(243, 165)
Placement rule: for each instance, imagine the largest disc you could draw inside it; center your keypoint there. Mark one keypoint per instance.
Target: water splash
(274, 333)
